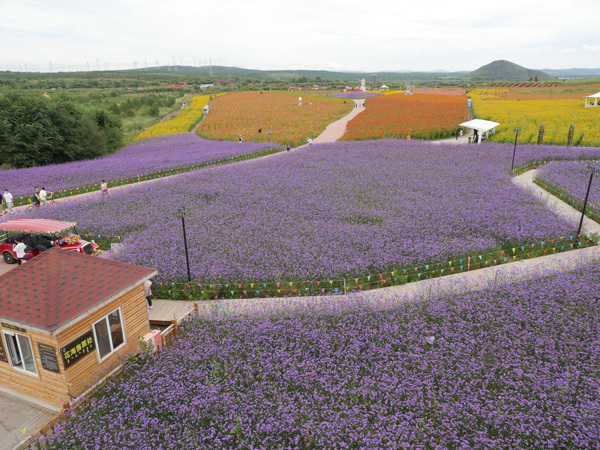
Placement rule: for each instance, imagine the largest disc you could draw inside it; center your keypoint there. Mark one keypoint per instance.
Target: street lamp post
(517, 131)
(180, 214)
(592, 170)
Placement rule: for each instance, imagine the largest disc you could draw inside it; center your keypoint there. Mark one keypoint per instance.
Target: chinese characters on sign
(78, 348)
(48, 357)
(14, 327)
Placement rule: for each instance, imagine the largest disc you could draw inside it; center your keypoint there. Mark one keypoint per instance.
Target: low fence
(181, 290)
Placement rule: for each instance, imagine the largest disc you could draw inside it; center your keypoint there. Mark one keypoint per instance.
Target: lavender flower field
(514, 368)
(356, 95)
(569, 180)
(330, 210)
(144, 157)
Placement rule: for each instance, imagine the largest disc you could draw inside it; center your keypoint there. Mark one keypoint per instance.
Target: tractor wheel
(8, 258)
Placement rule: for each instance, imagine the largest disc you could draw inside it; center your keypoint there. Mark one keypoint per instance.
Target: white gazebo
(595, 100)
(483, 128)
(383, 87)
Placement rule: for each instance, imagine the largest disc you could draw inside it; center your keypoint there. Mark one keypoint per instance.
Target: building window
(109, 333)
(20, 352)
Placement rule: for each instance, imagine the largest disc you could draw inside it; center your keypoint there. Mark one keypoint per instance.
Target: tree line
(36, 131)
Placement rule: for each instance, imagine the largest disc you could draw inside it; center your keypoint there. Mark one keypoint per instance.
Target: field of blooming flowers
(557, 115)
(569, 181)
(534, 91)
(331, 210)
(515, 368)
(244, 113)
(142, 158)
(419, 116)
(182, 122)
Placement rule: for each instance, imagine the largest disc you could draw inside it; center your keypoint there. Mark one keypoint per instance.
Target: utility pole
(88, 66)
(50, 65)
(26, 67)
(181, 60)
(97, 65)
(157, 63)
(135, 64)
(210, 63)
(145, 64)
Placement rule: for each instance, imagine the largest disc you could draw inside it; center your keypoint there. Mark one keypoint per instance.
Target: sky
(350, 35)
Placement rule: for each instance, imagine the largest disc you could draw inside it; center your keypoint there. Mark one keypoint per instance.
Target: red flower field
(397, 116)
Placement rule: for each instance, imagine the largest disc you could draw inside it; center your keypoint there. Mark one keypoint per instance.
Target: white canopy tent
(383, 88)
(595, 100)
(481, 127)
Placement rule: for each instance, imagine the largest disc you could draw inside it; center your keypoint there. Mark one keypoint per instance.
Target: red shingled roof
(57, 286)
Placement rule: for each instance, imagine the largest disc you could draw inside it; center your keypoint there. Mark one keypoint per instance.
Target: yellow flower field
(182, 122)
(557, 115)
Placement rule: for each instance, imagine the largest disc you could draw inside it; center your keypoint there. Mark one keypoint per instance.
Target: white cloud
(329, 34)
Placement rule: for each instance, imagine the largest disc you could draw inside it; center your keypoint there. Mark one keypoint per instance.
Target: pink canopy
(35, 225)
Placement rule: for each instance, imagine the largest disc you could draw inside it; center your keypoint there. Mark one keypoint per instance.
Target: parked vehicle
(39, 235)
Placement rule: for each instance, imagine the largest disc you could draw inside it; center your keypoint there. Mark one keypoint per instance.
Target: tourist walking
(240, 139)
(260, 130)
(8, 200)
(309, 140)
(2, 204)
(148, 292)
(460, 133)
(288, 147)
(19, 249)
(104, 189)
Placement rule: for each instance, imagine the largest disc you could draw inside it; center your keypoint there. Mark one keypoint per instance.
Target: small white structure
(363, 87)
(481, 128)
(594, 102)
(299, 101)
(383, 87)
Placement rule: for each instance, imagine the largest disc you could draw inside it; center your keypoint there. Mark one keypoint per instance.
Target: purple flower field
(571, 178)
(140, 158)
(356, 95)
(330, 210)
(513, 368)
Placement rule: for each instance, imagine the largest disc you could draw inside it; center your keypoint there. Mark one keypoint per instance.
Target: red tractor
(39, 235)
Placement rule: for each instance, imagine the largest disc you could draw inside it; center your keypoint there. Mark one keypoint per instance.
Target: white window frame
(113, 350)
(23, 369)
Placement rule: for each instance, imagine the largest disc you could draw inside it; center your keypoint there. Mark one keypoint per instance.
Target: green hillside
(501, 69)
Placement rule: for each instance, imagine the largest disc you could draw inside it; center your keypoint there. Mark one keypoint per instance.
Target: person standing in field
(8, 199)
(44, 196)
(2, 204)
(104, 189)
(460, 133)
(240, 139)
(148, 292)
(288, 147)
(36, 197)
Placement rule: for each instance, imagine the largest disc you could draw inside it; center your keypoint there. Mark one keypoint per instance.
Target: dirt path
(336, 130)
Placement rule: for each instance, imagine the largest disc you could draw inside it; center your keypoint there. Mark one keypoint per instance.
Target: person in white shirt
(19, 249)
(43, 194)
(8, 199)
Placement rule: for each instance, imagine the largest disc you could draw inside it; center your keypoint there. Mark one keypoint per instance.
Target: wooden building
(65, 319)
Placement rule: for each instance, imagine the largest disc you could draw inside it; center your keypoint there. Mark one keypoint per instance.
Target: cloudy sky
(308, 34)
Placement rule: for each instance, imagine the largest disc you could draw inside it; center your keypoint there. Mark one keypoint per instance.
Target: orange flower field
(397, 116)
(244, 113)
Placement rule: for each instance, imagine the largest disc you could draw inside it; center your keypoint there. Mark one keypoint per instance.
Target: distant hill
(266, 75)
(501, 69)
(573, 73)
